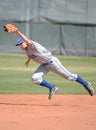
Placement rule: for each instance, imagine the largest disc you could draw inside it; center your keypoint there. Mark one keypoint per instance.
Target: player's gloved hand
(10, 28)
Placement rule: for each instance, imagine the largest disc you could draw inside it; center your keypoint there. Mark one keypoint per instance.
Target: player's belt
(48, 62)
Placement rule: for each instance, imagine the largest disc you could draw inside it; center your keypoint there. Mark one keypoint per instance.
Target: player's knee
(36, 79)
(72, 77)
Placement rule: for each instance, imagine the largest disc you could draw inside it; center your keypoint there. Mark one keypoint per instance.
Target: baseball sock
(81, 81)
(46, 84)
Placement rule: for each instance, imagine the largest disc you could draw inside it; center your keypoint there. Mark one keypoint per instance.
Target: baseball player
(48, 62)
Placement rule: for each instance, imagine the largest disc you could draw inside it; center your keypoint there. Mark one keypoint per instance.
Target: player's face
(23, 46)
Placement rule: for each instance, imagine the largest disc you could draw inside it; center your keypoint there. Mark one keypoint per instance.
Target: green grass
(16, 78)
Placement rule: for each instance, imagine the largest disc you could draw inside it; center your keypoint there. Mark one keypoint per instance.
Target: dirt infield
(36, 112)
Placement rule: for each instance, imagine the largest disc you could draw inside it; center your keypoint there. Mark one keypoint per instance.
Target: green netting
(66, 27)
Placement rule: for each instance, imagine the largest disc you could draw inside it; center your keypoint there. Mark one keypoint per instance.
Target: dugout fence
(65, 27)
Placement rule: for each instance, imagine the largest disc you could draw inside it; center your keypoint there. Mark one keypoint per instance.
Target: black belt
(48, 62)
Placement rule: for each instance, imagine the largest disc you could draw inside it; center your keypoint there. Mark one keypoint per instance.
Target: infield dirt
(36, 112)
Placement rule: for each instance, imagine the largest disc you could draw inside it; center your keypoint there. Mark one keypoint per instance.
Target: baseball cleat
(52, 92)
(89, 88)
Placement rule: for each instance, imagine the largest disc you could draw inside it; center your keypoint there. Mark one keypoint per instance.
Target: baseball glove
(10, 28)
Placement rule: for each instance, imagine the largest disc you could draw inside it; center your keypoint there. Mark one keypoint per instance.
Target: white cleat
(89, 88)
(52, 92)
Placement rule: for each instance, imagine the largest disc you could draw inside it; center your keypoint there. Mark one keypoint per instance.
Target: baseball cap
(20, 41)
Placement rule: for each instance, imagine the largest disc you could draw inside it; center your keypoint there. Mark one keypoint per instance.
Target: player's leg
(57, 68)
(38, 75)
(37, 78)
